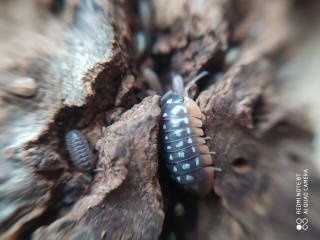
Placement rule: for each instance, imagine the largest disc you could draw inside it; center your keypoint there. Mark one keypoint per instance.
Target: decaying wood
(97, 215)
(71, 65)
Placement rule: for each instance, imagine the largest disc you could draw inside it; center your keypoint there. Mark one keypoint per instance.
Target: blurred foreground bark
(74, 65)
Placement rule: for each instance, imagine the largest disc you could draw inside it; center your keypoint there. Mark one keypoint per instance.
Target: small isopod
(143, 36)
(145, 12)
(79, 150)
(187, 156)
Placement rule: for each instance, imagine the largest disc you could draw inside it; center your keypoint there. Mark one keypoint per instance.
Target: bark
(79, 65)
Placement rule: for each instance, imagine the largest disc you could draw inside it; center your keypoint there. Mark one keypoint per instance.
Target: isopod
(80, 153)
(186, 154)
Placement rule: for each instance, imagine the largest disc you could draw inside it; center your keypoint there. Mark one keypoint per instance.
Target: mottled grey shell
(79, 150)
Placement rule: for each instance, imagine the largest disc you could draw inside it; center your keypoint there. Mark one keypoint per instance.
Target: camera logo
(302, 224)
(302, 200)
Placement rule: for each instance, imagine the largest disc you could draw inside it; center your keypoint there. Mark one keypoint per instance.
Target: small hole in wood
(241, 165)
(293, 157)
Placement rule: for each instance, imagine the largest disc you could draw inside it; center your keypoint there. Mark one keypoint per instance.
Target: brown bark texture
(95, 66)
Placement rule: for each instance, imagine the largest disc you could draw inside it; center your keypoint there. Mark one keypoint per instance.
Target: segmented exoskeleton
(187, 157)
(79, 150)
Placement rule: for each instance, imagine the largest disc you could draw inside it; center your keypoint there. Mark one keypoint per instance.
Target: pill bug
(187, 157)
(79, 150)
(143, 35)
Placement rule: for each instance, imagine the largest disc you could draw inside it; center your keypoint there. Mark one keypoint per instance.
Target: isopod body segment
(78, 148)
(185, 151)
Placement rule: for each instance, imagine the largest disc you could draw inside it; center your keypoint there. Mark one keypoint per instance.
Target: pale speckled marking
(176, 122)
(186, 166)
(189, 177)
(170, 157)
(179, 144)
(180, 154)
(197, 161)
(189, 140)
(178, 178)
(178, 133)
(175, 169)
(177, 109)
(169, 101)
(172, 101)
